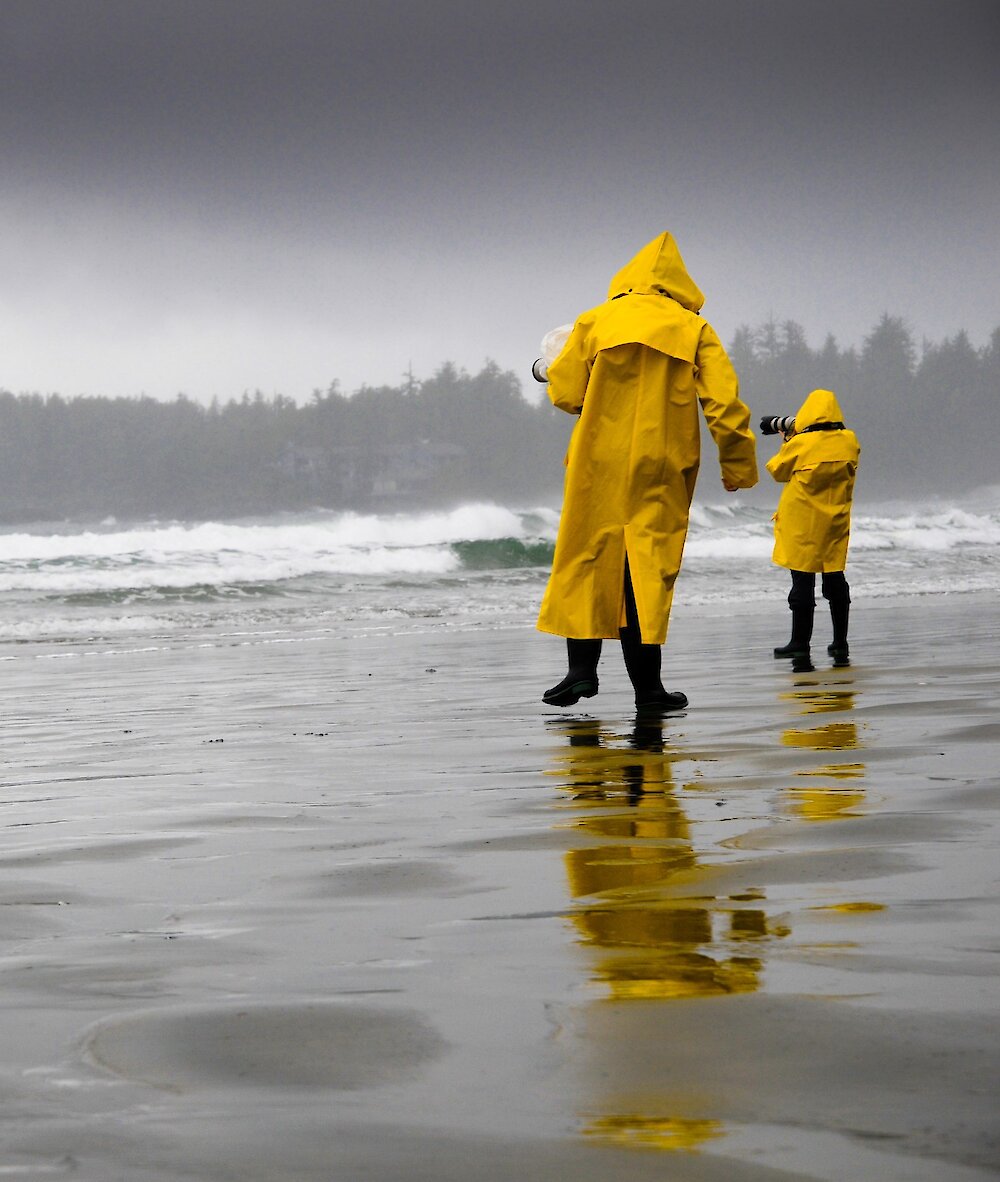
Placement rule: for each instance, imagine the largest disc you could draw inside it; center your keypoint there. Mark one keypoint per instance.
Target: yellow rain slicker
(635, 369)
(813, 523)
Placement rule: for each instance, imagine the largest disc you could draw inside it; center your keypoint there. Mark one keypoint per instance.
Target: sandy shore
(365, 909)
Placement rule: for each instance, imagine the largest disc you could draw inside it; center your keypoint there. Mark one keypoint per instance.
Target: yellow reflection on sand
(650, 1132)
(648, 941)
(847, 908)
(836, 771)
(825, 802)
(835, 736)
(820, 700)
(645, 944)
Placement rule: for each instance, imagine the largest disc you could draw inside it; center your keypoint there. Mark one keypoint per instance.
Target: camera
(777, 425)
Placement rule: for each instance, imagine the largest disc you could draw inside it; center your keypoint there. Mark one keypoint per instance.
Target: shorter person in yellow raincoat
(636, 369)
(812, 526)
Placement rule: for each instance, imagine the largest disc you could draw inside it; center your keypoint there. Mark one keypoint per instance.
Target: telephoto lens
(777, 424)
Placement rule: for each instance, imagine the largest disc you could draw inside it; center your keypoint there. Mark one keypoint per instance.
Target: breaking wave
(273, 556)
(257, 557)
(476, 562)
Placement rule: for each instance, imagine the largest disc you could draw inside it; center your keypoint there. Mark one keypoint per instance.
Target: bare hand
(729, 486)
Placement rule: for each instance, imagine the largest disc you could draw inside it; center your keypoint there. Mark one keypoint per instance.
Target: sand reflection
(650, 934)
(822, 801)
(644, 944)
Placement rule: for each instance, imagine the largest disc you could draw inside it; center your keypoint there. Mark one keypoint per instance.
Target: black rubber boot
(802, 630)
(839, 612)
(665, 702)
(581, 680)
(837, 593)
(642, 661)
(802, 601)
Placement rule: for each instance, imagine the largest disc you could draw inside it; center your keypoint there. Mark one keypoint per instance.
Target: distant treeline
(452, 437)
(926, 417)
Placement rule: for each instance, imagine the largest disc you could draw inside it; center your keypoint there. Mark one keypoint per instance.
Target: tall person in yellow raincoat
(635, 369)
(812, 526)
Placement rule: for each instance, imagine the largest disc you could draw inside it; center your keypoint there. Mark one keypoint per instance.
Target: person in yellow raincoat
(635, 369)
(817, 464)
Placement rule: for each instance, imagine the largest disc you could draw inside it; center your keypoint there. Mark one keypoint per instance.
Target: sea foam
(302, 554)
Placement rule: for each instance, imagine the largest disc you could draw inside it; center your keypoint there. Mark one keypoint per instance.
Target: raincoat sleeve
(570, 373)
(728, 417)
(782, 465)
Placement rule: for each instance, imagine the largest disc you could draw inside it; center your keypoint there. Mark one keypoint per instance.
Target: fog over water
(247, 194)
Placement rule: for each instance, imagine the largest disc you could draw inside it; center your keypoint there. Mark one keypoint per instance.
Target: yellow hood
(658, 267)
(821, 406)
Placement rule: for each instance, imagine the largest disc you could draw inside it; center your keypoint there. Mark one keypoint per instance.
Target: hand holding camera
(778, 425)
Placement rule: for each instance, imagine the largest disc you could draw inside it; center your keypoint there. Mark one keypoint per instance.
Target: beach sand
(366, 909)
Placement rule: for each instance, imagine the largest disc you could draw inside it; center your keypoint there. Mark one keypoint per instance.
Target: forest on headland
(926, 416)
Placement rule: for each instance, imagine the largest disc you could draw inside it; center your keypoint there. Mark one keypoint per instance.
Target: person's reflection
(823, 801)
(804, 663)
(646, 944)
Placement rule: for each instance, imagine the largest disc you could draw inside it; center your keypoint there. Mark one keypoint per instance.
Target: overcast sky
(214, 196)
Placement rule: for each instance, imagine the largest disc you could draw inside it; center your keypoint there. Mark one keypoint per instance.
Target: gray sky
(213, 196)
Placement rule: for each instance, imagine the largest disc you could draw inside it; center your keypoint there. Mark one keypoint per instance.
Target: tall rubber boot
(642, 662)
(802, 601)
(837, 593)
(581, 680)
(802, 630)
(839, 613)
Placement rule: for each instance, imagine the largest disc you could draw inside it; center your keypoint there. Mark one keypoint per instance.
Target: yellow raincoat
(813, 522)
(635, 369)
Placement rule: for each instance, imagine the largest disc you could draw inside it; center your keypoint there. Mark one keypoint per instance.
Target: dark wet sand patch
(99, 851)
(315, 1045)
(384, 879)
(887, 830)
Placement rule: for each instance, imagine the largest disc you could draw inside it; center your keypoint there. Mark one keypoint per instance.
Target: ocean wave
(202, 574)
(309, 534)
(503, 553)
(207, 557)
(51, 627)
(319, 553)
(721, 532)
(940, 529)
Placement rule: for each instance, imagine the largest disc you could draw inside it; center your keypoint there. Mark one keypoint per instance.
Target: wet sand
(366, 909)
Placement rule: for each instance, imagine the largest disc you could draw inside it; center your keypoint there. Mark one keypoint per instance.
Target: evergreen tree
(924, 428)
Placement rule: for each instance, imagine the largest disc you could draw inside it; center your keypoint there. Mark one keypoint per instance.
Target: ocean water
(283, 578)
